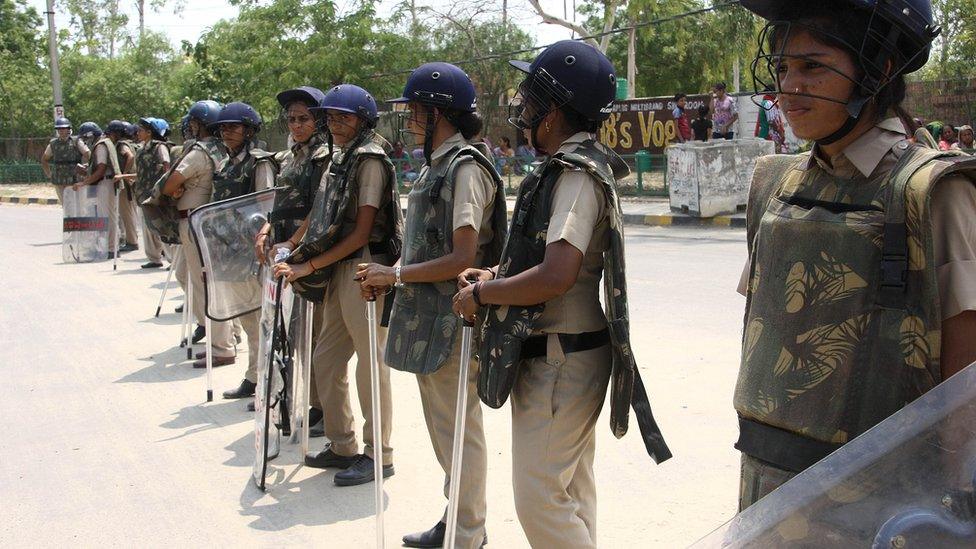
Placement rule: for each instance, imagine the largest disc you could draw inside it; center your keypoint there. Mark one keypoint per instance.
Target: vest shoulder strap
(261, 155)
(471, 154)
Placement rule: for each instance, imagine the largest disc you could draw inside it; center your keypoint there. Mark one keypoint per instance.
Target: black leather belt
(535, 346)
(779, 447)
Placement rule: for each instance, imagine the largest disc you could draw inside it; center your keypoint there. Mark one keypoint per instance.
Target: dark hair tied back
(469, 124)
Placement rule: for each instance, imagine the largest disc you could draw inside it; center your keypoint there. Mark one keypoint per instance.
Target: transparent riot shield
(275, 363)
(299, 331)
(86, 223)
(224, 232)
(907, 482)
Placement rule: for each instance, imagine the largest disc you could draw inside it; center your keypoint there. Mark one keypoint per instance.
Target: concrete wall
(709, 179)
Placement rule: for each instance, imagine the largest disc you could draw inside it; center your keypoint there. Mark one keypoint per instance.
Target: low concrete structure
(711, 178)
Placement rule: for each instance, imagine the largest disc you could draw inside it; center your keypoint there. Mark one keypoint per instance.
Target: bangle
(494, 274)
(396, 274)
(477, 293)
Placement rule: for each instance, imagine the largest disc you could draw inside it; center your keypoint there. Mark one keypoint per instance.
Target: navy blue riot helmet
(89, 129)
(61, 122)
(448, 89)
(130, 130)
(240, 113)
(306, 94)
(886, 38)
(351, 99)
(117, 127)
(567, 75)
(440, 85)
(206, 112)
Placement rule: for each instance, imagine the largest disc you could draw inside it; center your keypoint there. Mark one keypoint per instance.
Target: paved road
(107, 439)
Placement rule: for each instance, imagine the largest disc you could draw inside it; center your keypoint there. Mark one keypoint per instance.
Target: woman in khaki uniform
(455, 220)
(353, 219)
(546, 336)
(862, 253)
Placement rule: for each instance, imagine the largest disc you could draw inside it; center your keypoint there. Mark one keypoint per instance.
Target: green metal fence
(21, 171)
(648, 173)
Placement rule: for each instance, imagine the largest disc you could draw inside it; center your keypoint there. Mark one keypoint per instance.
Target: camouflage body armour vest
(842, 324)
(333, 216)
(233, 179)
(507, 327)
(299, 182)
(64, 157)
(148, 170)
(423, 326)
(160, 210)
(112, 167)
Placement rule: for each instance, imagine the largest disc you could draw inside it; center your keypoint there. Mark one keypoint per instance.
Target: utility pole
(504, 13)
(55, 67)
(632, 62)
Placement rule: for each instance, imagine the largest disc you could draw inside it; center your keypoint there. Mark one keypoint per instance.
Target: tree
(609, 16)
(100, 23)
(25, 91)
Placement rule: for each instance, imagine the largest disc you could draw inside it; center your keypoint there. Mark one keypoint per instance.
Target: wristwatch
(396, 273)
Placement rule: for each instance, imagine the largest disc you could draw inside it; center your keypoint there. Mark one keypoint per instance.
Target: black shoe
(245, 390)
(128, 248)
(314, 415)
(317, 429)
(152, 265)
(431, 538)
(237, 338)
(179, 309)
(360, 472)
(111, 255)
(250, 406)
(199, 334)
(327, 458)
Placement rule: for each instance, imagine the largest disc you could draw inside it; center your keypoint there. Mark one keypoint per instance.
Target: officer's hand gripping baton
(467, 333)
(374, 374)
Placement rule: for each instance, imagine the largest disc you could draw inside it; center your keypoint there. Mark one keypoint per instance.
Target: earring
(547, 127)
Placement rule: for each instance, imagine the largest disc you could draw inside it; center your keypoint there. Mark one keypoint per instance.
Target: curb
(666, 220)
(29, 200)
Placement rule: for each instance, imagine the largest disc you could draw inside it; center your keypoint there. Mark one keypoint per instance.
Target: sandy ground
(108, 441)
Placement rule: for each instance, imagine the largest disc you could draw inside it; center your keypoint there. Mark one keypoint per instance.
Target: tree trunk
(632, 64)
(141, 6)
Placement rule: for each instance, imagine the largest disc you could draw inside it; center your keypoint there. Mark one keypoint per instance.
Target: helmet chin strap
(855, 108)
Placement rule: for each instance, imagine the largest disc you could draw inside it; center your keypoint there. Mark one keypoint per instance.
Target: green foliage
(25, 90)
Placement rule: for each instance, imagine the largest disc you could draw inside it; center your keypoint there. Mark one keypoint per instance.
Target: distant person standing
(66, 153)
(965, 141)
(770, 126)
(724, 113)
(681, 118)
(702, 126)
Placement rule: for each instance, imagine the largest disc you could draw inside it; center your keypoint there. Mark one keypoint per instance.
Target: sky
(199, 15)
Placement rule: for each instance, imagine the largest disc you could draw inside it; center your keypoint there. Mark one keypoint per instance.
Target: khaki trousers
(220, 336)
(340, 329)
(180, 265)
(251, 323)
(757, 479)
(113, 214)
(60, 190)
(153, 245)
(438, 396)
(129, 215)
(555, 405)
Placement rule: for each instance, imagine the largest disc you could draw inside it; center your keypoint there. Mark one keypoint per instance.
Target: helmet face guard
(538, 95)
(883, 52)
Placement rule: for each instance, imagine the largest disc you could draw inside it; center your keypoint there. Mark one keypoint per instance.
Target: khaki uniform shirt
(474, 195)
(579, 216)
(953, 210)
(198, 169)
(162, 154)
(101, 157)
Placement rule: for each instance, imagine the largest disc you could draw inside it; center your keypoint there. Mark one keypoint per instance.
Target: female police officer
(455, 220)
(546, 323)
(860, 282)
(356, 217)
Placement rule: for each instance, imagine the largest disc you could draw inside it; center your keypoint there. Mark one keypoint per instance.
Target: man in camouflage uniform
(859, 285)
(67, 153)
(546, 339)
(455, 220)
